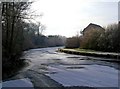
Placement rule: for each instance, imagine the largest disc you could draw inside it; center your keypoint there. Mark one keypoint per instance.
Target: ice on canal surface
(85, 75)
(18, 83)
(70, 70)
(74, 70)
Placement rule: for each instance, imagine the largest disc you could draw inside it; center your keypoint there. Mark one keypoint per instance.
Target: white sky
(67, 17)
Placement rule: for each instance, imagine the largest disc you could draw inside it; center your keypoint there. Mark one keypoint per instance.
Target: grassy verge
(84, 50)
(87, 52)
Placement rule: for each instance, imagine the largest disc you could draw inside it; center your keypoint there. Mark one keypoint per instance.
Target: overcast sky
(67, 17)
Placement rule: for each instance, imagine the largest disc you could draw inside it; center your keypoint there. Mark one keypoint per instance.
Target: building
(92, 27)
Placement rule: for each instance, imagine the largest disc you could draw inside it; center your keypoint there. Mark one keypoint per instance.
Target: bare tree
(13, 14)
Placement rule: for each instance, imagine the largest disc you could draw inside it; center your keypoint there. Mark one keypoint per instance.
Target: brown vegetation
(72, 42)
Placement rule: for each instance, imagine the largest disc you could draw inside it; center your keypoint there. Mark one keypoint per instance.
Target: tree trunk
(11, 50)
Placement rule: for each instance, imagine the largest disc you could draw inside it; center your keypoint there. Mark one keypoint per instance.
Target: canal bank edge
(95, 54)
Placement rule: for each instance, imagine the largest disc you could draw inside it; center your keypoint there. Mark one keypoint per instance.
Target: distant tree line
(35, 39)
(100, 40)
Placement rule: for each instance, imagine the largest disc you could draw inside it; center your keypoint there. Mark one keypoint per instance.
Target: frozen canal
(71, 70)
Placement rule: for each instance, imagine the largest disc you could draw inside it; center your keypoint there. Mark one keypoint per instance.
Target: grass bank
(94, 53)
